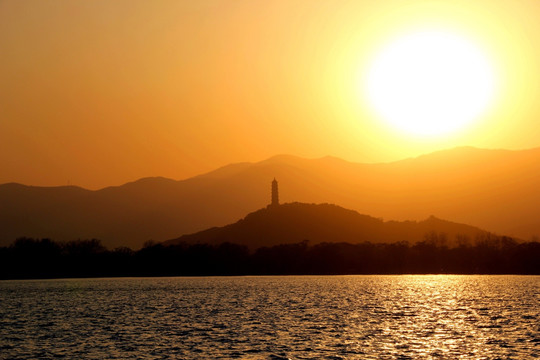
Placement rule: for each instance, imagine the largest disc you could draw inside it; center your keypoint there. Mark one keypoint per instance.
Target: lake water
(289, 317)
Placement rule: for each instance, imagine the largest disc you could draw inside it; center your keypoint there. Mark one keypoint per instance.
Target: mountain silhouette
(296, 222)
(495, 190)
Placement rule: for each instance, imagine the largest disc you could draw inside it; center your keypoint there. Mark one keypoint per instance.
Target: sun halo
(430, 83)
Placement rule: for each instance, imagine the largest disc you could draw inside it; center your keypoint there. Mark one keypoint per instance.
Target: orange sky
(98, 93)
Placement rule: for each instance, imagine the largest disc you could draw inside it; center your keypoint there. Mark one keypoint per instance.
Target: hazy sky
(102, 92)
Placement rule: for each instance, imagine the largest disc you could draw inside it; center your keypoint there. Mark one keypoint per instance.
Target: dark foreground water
(307, 317)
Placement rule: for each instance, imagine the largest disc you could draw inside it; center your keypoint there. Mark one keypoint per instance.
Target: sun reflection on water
(338, 317)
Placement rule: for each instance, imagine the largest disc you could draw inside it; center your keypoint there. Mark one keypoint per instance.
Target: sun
(430, 83)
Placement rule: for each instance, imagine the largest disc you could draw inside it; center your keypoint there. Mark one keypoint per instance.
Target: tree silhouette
(488, 254)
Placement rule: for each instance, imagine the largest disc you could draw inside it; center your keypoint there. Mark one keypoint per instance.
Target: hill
(318, 223)
(492, 189)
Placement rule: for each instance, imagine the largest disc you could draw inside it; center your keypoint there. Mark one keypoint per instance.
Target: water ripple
(325, 317)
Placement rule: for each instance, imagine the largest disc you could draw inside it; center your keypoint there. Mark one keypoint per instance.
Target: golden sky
(98, 93)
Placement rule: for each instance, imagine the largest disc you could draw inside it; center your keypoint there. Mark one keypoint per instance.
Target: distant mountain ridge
(495, 190)
(318, 223)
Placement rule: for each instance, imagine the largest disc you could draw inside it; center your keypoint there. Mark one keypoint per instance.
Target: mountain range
(496, 190)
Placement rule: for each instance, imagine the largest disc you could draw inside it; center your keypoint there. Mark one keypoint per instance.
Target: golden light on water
(430, 82)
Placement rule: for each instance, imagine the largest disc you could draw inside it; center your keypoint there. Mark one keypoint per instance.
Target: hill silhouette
(295, 222)
(492, 189)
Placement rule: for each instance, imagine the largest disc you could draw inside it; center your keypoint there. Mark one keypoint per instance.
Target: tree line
(45, 258)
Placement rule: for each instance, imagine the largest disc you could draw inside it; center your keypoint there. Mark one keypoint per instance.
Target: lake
(272, 317)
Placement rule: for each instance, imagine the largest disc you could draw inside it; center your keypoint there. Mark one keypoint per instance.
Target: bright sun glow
(430, 83)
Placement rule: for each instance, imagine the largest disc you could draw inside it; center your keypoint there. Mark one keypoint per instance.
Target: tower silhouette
(275, 194)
